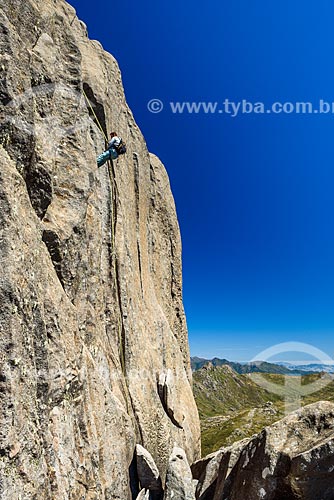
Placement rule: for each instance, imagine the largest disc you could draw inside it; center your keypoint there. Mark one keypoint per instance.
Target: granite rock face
(93, 345)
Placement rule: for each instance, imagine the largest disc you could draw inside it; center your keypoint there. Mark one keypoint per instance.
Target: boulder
(143, 495)
(180, 484)
(148, 473)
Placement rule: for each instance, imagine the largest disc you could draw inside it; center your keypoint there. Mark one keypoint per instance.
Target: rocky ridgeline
(290, 460)
(95, 379)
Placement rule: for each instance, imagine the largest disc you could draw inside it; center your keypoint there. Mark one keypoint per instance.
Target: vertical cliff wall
(93, 345)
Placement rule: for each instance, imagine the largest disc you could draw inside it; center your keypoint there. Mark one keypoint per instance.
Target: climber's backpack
(121, 148)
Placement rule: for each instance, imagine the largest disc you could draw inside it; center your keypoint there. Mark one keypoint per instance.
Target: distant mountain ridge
(253, 367)
(314, 367)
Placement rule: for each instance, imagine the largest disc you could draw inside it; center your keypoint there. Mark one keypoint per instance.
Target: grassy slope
(233, 406)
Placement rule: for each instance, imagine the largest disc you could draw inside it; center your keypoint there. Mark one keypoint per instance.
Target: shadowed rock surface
(91, 313)
(212, 470)
(148, 473)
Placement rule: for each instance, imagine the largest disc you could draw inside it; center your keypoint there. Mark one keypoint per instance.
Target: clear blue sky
(254, 193)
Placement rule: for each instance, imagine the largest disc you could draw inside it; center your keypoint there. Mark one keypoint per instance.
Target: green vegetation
(232, 406)
(222, 391)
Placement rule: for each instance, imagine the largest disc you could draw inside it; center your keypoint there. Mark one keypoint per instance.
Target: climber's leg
(107, 155)
(103, 158)
(113, 153)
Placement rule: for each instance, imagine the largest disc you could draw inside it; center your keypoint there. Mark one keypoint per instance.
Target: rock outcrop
(143, 495)
(290, 460)
(180, 484)
(212, 471)
(94, 349)
(148, 473)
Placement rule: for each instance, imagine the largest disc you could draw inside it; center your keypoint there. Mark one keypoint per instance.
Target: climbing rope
(113, 188)
(113, 252)
(96, 118)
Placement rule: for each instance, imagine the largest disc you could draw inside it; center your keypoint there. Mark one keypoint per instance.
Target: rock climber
(116, 147)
